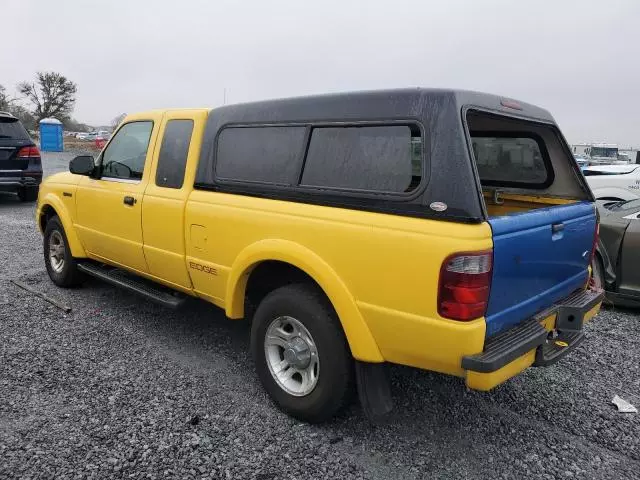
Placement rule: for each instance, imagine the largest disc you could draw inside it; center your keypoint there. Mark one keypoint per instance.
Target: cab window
(172, 159)
(125, 155)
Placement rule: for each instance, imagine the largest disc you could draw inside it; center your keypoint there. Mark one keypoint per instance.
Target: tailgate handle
(557, 227)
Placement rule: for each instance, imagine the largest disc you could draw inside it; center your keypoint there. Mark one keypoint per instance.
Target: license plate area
(570, 319)
(6, 152)
(569, 314)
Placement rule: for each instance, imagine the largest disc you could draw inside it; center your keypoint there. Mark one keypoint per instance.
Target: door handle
(128, 200)
(557, 227)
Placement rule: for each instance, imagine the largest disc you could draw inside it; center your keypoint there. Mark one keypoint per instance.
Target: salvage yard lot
(123, 388)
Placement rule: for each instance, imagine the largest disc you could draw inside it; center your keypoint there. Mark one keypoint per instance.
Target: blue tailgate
(539, 257)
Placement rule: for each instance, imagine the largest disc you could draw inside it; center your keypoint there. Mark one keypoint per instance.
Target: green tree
(51, 95)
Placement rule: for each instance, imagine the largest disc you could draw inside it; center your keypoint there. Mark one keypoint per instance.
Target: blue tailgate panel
(535, 265)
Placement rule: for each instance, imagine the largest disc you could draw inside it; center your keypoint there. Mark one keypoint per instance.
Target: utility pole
(224, 96)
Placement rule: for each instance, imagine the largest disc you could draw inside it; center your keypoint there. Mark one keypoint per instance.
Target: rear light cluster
(34, 165)
(28, 152)
(465, 280)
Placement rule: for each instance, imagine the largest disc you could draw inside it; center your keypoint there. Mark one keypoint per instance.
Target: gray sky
(579, 59)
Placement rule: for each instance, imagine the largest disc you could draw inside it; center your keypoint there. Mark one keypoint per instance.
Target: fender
(52, 200)
(363, 346)
(613, 192)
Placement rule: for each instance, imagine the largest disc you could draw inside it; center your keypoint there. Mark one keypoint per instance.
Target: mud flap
(374, 390)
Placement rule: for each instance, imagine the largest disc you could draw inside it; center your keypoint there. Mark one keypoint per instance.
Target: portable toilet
(51, 135)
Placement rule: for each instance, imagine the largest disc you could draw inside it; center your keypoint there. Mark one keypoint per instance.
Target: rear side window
(511, 158)
(260, 154)
(12, 128)
(368, 158)
(172, 159)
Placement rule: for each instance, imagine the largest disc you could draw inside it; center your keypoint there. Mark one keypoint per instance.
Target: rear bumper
(540, 341)
(618, 299)
(13, 181)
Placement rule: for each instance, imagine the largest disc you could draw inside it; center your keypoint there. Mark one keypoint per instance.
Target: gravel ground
(120, 388)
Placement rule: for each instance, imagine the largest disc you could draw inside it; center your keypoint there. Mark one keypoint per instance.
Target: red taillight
(508, 103)
(465, 280)
(26, 152)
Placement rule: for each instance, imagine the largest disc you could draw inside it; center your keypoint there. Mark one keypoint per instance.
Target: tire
(28, 194)
(316, 400)
(597, 273)
(64, 273)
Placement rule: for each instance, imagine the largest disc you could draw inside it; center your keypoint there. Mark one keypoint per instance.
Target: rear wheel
(61, 266)
(302, 357)
(28, 194)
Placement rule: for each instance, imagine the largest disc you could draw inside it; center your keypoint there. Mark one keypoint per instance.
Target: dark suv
(20, 164)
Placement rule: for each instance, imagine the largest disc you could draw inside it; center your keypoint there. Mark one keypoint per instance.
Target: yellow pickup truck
(445, 230)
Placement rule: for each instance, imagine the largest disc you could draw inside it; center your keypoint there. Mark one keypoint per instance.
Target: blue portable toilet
(51, 135)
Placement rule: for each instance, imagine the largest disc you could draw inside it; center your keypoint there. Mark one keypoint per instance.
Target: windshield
(607, 152)
(620, 206)
(12, 128)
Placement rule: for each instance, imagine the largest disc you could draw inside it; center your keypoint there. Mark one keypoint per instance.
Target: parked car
(581, 160)
(81, 135)
(618, 252)
(98, 135)
(614, 182)
(354, 229)
(20, 164)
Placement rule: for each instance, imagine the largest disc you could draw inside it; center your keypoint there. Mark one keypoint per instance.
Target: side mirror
(82, 165)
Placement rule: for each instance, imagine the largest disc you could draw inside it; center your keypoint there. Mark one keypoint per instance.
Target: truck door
(165, 198)
(109, 205)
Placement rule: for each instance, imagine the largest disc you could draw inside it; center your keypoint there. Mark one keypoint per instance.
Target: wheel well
(597, 257)
(270, 275)
(46, 214)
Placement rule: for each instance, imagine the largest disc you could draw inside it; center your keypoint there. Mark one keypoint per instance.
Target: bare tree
(117, 120)
(5, 101)
(24, 116)
(52, 95)
(74, 126)
(9, 104)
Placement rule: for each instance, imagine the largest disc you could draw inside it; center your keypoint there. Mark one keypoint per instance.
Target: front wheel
(61, 266)
(302, 357)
